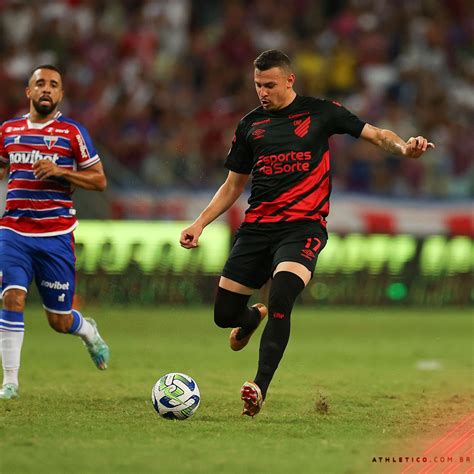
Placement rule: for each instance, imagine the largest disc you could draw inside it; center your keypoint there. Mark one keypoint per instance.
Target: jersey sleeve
(83, 148)
(239, 158)
(4, 161)
(340, 120)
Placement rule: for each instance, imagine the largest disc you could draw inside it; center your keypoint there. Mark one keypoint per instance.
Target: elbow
(373, 134)
(101, 184)
(236, 189)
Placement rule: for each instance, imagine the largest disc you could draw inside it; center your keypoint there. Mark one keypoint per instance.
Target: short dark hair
(47, 66)
(272, 58)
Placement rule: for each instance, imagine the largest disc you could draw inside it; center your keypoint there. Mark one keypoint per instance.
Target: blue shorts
(50, 260)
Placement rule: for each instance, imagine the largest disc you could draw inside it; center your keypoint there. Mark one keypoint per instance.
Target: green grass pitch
(354, 384)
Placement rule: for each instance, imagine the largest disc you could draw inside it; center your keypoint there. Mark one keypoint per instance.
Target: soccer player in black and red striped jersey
(283, 144)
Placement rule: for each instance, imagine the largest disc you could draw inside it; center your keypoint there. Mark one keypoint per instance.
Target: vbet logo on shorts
(55, 285)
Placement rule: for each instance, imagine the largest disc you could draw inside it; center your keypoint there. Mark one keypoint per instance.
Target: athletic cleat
(252, 397)
(98, 349)
(9, 392)
(238, 338)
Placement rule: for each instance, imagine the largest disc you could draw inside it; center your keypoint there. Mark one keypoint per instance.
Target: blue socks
(11, 321)
(77, 322)
(12, 330)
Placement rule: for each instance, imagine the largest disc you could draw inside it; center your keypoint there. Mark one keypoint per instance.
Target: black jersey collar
(288, 109)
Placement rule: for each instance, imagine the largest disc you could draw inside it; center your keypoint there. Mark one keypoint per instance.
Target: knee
(223, 316)
(228, 307)
(60, 322)
(14, 300)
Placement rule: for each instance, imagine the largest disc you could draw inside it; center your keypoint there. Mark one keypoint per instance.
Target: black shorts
(259, 248)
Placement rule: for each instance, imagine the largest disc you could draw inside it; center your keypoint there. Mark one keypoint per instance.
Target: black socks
(231, 311)
(285, 288)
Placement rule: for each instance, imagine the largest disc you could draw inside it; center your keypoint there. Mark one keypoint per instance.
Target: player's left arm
(91, 178)
(389, 141)
(3, 171)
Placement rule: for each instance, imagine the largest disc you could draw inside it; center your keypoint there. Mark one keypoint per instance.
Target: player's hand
(190, 236)
(44, 169)
(416, 146)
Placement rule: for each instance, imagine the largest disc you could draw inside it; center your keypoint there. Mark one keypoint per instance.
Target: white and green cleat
(98, 349)
(9, 392)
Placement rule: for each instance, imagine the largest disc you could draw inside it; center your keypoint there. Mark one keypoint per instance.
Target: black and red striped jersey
(287, 153)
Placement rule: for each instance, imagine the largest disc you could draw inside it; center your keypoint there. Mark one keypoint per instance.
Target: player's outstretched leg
(251, 395)
(9, 392)
(240, 337)
(98, 349)
(86, 329)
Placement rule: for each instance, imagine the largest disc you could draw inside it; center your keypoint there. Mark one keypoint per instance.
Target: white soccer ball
(175, 396)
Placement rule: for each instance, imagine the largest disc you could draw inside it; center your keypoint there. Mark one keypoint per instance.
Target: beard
(43, 108)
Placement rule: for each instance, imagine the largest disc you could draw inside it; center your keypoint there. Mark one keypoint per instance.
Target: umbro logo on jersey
(307, 253)
(50, 141)
(259, 133)
(302, 126)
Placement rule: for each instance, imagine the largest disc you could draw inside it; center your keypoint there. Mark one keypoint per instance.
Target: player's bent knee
(60, 322)
(228, 307)
(223, 317)
(14, 300)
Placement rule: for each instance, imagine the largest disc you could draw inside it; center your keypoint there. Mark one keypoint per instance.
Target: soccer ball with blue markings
(175, 396)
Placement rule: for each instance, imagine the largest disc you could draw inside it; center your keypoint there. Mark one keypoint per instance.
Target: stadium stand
(161, 84)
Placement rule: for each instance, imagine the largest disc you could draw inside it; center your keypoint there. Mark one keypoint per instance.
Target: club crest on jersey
(50, 141)
(302, 127)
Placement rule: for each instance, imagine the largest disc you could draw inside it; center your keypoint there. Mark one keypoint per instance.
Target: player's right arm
(392, 143)
(225, 196)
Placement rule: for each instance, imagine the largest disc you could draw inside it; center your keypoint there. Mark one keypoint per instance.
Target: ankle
(10, 376)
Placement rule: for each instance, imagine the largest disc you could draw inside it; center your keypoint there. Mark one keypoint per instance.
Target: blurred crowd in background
(162, 84)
